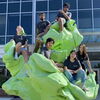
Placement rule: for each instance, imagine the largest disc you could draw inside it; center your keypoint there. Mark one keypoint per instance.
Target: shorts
(23, 48)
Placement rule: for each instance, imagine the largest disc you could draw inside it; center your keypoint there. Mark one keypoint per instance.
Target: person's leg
(81, 74)
(37, 46)
(17, 49)
(25, 55)
(69, 76)
(61, 22)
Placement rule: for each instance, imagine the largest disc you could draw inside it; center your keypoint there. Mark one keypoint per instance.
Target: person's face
(42, 16)
(65, 9)
(18, 29)
(49, 44)
(73, 55)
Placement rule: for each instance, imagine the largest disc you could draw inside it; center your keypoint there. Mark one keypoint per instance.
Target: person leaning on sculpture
(46, 51)
(41, 29)
(82, 56)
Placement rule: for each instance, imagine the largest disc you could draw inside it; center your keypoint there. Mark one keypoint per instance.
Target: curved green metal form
(40, 79)
(65, 41)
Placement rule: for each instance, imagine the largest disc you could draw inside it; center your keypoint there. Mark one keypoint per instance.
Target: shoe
(85, 89)
(16, 56)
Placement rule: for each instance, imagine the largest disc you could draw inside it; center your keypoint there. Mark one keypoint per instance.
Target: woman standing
(83, 56)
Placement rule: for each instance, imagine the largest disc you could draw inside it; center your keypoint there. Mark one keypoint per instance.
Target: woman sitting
(73, 69)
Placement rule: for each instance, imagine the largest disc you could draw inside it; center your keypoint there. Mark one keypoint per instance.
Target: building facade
(25, 13)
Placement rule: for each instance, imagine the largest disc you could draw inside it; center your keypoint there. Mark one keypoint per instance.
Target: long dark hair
(70, 54)
(84, 53)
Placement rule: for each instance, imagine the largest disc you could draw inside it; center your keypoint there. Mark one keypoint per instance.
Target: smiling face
(19, 30)
(49, 44)
(73, 55)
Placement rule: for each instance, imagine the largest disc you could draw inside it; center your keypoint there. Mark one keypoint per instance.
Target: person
(42, 28)
(46, 51)
(83, 56)
(64, 15)
(73, 69)
(21, 43)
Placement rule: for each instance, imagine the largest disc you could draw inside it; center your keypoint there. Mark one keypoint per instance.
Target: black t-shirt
(41, 26)
(20, 38)
(82, 57)
(72, 65)
(46, 52)
(62, 16)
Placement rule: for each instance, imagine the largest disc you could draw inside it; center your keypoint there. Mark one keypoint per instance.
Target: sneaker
(16, 56)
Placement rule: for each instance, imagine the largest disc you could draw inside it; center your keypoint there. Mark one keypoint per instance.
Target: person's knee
(60, 20)
(81, 74)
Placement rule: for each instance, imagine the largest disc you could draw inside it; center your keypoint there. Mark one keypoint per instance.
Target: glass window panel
(3, 8)
(85, 19)
(26, 0)
(41, 5)
(8, 38)
(29, 39)
(26, 22)
(84, 4)
(96, 3)
(52, 16)
(13, 0)
(2, 40)
(13, 7)
(55, 4)
(26, 6)
(72, 3)
(2, 24)
(13, 22)
(3, 0)
(97, 18)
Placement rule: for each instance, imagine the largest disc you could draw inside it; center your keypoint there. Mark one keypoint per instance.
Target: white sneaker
(16, 56)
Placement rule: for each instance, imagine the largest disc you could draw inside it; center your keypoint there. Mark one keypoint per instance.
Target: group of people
(73, 67)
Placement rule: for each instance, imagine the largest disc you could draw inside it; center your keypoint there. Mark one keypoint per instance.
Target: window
(3, 8)
(74, 15)
(26, 22)
(72, 3)
(13, 22)
(3, 0)
(55, 4)
(96, 3)
(2, 40)
(26, 6)
(8, 38)
(13, 0)
(97, 18)
(13, 7)
(2, 24)
(41, 5)
(84, 4)
(52, 16)
(85, 19)
(29, 39)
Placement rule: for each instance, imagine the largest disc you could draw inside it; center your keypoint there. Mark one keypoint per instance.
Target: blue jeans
(81, 74)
